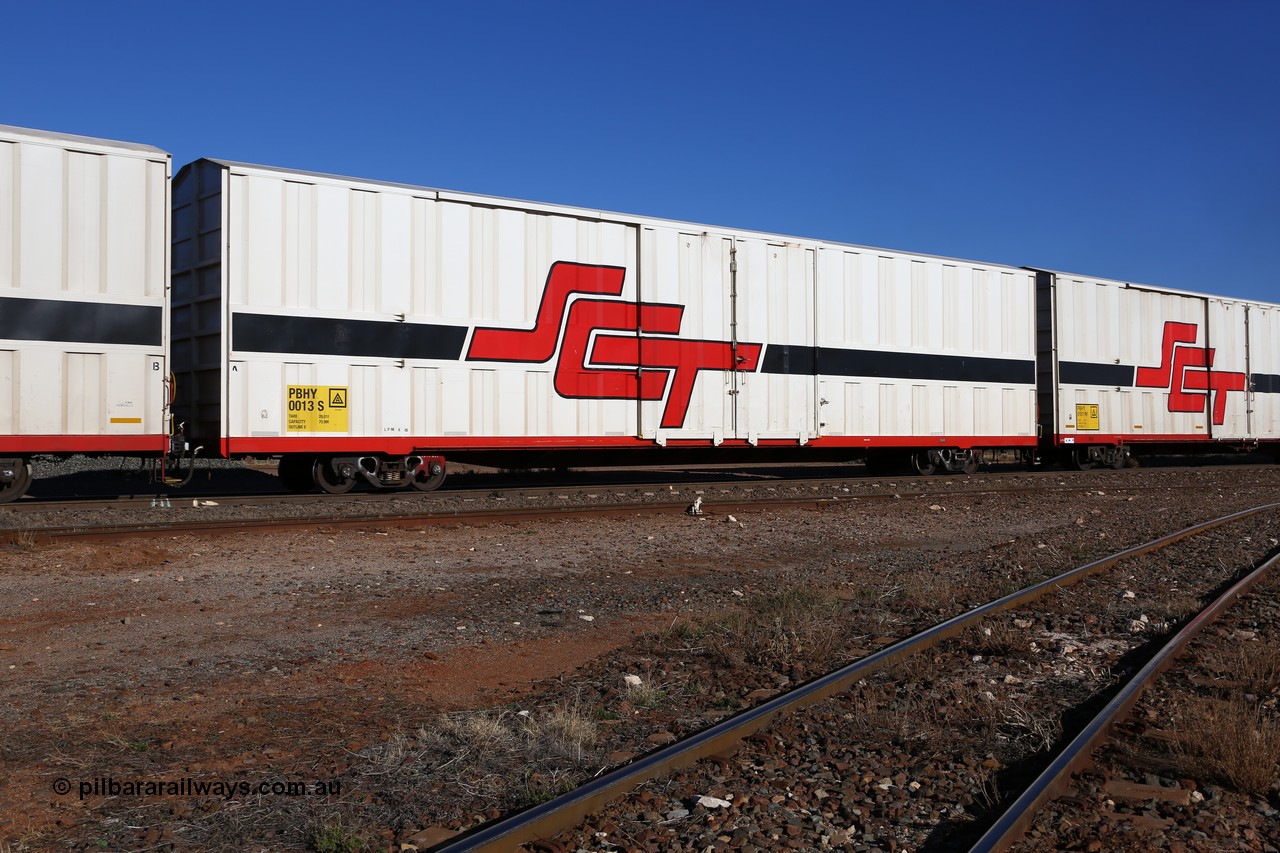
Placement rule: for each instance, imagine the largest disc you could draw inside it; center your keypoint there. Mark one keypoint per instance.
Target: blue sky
(1133, 140)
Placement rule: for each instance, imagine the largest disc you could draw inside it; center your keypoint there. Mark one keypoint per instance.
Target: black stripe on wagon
(804, 360)
(333, 336)
(80, 322)
(1266, 383)
(1087, 373)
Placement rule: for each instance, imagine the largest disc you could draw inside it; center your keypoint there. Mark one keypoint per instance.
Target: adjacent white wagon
(84, 271)
(1125, 365)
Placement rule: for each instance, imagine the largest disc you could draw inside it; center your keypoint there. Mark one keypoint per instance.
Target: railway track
(549, 825)
(37, 520)
(1078, 754)
(103, 489)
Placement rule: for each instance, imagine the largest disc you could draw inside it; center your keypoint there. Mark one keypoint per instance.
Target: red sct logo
(1186, 370)
(609, 349)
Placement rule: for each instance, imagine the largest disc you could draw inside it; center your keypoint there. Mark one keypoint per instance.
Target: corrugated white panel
(427, 399)
(775, 284)
(8, 401)
(252, 413)
(298, 263)
(1264, 368)
(957, 301)
(895, 409)
(83, 221)
(537, 389)
(395, 256)
(882, 302)
(455, 391)
(9, 216)
(134, 252)
(484, 398)
(82, 374)
(84, 224)
(845, 410)
(1009, 411)
(41, 237)
(896, 302)
(333, 246)
(395, 402)
(985, 311)
(40, 391)
(1017, 303)
(366, 408)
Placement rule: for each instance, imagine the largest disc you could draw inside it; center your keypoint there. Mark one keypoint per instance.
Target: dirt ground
(260, 657)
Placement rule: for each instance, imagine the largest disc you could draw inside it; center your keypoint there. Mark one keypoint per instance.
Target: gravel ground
(1195, 766)
(396, 665)
(921, 756)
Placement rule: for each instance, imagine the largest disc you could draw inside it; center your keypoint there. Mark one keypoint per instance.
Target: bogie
(925, 462)
(429, 475)
(1084, 457)
(15, 479)
(335, 477)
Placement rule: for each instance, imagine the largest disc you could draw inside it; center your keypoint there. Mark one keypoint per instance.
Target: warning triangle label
(337, 399)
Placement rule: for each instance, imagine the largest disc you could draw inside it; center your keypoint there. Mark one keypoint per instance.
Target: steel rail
(419, 518)
(458, 488)
(54, 504)
(555, 816)
(424, 514)
(1015, 821)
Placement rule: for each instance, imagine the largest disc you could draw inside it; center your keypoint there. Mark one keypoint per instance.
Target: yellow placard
(1087, 416)
(316, 408)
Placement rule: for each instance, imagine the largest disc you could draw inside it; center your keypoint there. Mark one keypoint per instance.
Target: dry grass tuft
(1234, 741)
(797, 625)
(540, 786)
(927, 589)
(997, 636)
(1174, 606)
(1021, 725)
(479, 730)
(1255, 667)
(646, 694)
(336, 837)
(570, 732)
(24, 540)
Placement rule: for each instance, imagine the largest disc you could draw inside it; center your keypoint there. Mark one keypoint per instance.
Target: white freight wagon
(84, 272)
(1124, 365)
(361, 329)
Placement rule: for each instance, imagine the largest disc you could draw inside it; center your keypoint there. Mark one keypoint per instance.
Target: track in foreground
(565, 812)
(1076, 756)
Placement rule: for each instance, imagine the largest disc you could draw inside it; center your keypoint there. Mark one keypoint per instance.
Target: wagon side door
(685, 350)
(772, 326)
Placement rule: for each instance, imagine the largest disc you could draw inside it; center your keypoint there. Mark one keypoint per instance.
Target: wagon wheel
(429, 480)
(18, 482)
(922, 463)
(1080, 459)
(329, 480)
(295, 472)
(970, 465)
